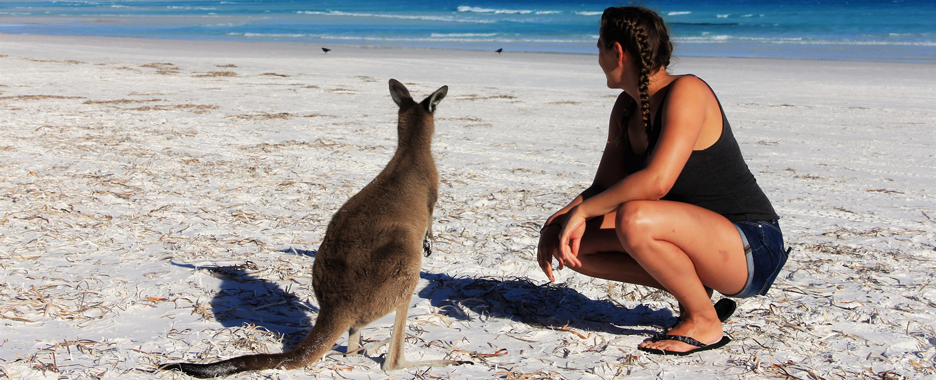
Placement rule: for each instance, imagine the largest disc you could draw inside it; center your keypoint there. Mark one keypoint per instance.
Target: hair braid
(643, 84)
(623, 27)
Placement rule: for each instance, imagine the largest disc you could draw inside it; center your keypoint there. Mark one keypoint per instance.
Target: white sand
(136, 180)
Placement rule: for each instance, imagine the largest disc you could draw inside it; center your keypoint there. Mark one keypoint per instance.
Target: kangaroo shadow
(243, 298)
(550, 305)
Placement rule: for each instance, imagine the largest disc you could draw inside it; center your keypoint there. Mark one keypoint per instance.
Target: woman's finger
(576, 244)
(546, 266)
(544, 254)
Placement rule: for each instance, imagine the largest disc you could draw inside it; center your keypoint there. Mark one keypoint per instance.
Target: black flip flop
(685, 339)
(725, 308)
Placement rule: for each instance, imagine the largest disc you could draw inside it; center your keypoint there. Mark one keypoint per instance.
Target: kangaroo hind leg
(395, 359)
(354, 341)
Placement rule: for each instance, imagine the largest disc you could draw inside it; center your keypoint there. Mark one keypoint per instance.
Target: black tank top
(715, 178)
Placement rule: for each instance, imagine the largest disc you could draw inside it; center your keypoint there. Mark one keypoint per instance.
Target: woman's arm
(611, 168)
(684, 114)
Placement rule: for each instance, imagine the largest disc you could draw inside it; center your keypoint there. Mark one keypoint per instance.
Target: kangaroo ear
(433, 100)
(398, 92)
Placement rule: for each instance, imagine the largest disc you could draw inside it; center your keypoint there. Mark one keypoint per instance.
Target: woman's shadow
(549, 305)
(245, 299)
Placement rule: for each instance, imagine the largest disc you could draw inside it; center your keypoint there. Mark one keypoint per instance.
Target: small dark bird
(326, 50)
(501, 50)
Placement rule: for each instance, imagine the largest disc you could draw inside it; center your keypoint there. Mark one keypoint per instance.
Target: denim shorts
(763, 246)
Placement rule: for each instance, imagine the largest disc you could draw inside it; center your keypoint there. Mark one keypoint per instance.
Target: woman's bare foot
(724, 308)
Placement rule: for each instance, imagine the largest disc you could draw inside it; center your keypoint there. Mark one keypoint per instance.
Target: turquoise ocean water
(892, 30)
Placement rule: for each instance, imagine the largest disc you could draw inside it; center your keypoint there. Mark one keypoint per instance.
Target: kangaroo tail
(323, 335)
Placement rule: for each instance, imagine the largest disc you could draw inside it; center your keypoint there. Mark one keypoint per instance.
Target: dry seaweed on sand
(148, 217)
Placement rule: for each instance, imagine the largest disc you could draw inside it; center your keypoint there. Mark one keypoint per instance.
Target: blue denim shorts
(763, 246)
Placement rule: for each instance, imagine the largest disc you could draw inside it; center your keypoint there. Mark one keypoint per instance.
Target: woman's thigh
(707, 239)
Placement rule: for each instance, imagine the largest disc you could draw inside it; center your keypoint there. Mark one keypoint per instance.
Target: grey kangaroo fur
(368, 264)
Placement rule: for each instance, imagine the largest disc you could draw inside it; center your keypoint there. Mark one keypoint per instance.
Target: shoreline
(291, 47)
(249, 49)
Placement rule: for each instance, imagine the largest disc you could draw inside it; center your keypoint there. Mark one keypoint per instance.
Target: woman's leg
(603, 256)
(685, 249)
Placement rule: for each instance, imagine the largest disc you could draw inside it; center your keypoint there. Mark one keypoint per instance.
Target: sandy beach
(164, 200)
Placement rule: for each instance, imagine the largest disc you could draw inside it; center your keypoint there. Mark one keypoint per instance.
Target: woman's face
(608, 60)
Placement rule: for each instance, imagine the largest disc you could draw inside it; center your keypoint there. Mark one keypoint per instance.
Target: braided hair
(643, 33)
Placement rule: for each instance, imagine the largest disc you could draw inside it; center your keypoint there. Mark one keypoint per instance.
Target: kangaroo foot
(387, 366)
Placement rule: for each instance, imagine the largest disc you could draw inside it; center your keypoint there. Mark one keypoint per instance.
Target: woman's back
(715, 178)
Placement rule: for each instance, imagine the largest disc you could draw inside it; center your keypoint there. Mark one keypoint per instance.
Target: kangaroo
(368, 264)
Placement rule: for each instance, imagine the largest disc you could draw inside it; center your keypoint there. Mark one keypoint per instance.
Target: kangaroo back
(368, 263)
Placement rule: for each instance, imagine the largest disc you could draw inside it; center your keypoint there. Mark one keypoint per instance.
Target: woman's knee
(632, 221)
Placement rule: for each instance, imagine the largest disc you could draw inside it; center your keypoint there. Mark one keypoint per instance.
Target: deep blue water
(892, 30)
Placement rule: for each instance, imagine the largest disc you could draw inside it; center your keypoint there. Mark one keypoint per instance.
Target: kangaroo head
(402, 98)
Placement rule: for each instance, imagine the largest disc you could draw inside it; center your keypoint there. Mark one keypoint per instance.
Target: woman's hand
(549, 248)
(570, 239)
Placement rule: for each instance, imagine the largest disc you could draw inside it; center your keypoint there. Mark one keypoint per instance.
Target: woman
(672, 205)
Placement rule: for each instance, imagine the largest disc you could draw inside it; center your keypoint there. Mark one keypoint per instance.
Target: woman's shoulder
(689, 82)
(689, 87)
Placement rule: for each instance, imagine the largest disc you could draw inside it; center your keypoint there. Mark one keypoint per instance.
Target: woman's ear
(619, 53)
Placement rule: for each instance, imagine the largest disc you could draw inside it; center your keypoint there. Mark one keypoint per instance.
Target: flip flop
(685, 339)
(724, 308)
